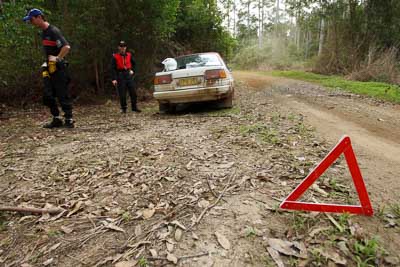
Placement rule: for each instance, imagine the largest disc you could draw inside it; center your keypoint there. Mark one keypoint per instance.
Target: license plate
(189, 81)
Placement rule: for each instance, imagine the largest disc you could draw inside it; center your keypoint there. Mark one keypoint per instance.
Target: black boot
(69, 123)
(55, 123)
(135, 109)
(123, 110)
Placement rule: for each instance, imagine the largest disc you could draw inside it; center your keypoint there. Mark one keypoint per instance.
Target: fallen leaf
(138, 230)
(66, 230)
(189, 166)
(145, 188)
(170, 247)
(77, 207)
(148, 213)
(178, 234)
(275, 256)
(113, 227)
(392, 260)
(223, 241)
(48, 262)
(288, 248)
(226, 165)
(153, 252)
(53, 247)
(170, 179)
(332, 255)
(194, 236)
(203, 203)
(172, 258)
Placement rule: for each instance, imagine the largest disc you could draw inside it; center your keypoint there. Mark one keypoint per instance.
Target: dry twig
(227, 186)
(32, 210)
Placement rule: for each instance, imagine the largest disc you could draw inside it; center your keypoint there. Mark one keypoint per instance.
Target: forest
(355, 38)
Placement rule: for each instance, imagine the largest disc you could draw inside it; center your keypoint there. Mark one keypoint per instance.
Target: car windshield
(199, 60)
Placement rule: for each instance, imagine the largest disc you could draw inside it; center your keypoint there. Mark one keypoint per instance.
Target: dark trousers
(56, 87)
(126, 84)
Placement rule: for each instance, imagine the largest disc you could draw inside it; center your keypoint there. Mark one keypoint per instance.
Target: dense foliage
(153, 29)
(359, 38)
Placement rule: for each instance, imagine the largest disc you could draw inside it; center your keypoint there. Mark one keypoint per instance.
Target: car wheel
(226, 102)
(166, 108)
(163, 107)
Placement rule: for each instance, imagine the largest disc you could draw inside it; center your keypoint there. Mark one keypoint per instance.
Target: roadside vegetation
(379, 90)
(344, 41)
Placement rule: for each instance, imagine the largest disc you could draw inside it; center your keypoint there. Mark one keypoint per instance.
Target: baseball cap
(122, 44)
(32, 13)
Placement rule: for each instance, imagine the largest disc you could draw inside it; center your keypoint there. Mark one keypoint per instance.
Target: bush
(383, 68)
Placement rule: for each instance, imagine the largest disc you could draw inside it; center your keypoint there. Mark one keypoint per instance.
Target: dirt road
(373, 126)
(201, 187)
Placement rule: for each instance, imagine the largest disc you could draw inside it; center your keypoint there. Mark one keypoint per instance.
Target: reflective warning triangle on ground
(344, 146)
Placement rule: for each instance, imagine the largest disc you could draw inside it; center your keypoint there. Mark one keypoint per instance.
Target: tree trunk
(321, 37)
(260, 22)
(277, 19)
(96, 70)
(234, 18)
(248, 14)
(229, 14)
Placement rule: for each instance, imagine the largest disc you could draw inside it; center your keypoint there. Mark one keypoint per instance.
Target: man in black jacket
(123, 69)
(54, 71)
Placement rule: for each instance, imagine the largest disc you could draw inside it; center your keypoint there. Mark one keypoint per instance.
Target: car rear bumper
(194, 95)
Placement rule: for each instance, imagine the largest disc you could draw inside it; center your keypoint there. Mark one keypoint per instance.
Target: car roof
(214, 53)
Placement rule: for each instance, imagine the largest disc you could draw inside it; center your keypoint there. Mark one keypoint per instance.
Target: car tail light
(163, 79)
(215, 74)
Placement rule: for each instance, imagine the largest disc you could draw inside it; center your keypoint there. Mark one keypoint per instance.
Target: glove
(45, 74)
(52, 67)
(52, 64)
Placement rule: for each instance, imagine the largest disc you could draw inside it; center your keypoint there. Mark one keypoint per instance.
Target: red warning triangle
(344, 146)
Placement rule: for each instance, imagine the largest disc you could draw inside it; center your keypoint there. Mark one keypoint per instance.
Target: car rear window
(199, 60)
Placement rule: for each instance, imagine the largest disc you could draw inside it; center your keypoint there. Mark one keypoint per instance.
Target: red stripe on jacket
(49, 43)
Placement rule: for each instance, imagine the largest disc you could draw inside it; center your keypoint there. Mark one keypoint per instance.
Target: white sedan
(194, 78)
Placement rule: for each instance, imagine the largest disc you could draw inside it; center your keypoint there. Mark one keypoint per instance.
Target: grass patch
(262, 132)
(378, 90)
(366, 252)
(250, 232)
(301, 223)
(395, 208)
(227, 111)
(151, 109)
(143, 262)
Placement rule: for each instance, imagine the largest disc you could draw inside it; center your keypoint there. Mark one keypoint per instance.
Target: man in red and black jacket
(54, 71)
(123, 69)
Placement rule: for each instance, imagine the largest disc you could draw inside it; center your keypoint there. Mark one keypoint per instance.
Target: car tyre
(166, 108)
(226, 102)
(163, 107)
